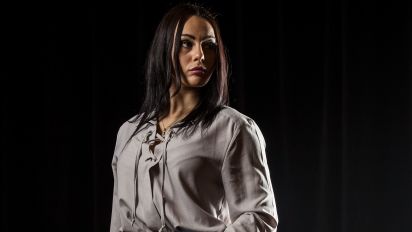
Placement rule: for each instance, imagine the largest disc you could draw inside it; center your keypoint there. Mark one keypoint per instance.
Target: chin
(195, 85)
(196, 82)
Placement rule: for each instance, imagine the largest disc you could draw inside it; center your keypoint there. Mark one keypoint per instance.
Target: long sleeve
(115, 223)
(247, 184)
(115, 220)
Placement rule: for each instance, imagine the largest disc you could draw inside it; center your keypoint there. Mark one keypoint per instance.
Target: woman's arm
(115, 220)
(247, 183)
(115, 223)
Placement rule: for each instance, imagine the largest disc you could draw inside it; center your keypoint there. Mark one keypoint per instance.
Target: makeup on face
(197, 52)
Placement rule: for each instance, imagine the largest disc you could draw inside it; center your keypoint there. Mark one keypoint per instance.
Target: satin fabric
(217, 180)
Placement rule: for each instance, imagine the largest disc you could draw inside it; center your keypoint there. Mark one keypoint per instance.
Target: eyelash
(186, 43)
(210, 45)
(189, 44)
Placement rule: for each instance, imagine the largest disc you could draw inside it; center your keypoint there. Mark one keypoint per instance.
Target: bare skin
(197, 50)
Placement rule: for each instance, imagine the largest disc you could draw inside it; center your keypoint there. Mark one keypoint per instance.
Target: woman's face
(197, 55)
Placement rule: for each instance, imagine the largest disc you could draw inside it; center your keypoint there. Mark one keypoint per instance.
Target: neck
(181, 105)
(183, 102)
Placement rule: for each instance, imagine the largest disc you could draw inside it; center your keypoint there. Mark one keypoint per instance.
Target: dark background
(328, 82)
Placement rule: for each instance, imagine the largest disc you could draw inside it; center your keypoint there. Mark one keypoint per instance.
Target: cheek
(211, 62)
(212, 55)
(184, 59)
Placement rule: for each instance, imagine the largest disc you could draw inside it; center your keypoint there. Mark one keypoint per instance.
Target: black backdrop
(328, 82)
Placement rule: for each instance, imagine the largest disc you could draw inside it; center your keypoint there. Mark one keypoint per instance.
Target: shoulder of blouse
(235, 117)
(230, 116)
(124, 132)
(128, 126)
(227, 114)
(240, 122)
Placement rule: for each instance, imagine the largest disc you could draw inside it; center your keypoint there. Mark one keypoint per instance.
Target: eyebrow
(206, 37)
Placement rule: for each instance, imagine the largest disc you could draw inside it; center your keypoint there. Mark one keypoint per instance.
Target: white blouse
(215, 181)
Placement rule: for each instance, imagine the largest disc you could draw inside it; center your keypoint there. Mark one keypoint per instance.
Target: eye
(186, 43)
(209, 45)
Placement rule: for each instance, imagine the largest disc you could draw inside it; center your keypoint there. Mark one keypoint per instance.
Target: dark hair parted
(160, 74)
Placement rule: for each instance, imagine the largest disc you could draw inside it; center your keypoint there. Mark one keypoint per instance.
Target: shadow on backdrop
(329, 84)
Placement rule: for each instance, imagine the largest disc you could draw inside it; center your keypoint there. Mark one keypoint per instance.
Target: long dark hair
(160, 74)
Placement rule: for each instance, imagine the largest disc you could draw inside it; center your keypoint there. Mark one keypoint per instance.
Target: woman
(187, 161)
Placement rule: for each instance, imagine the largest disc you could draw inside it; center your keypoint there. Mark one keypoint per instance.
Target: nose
(199, 54)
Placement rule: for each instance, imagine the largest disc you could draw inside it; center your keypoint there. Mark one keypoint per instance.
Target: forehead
(198, 27)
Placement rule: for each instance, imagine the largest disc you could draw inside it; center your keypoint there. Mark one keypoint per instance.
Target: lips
(198, 69)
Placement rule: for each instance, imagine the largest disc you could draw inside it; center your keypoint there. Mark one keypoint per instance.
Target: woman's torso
(191, 186)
